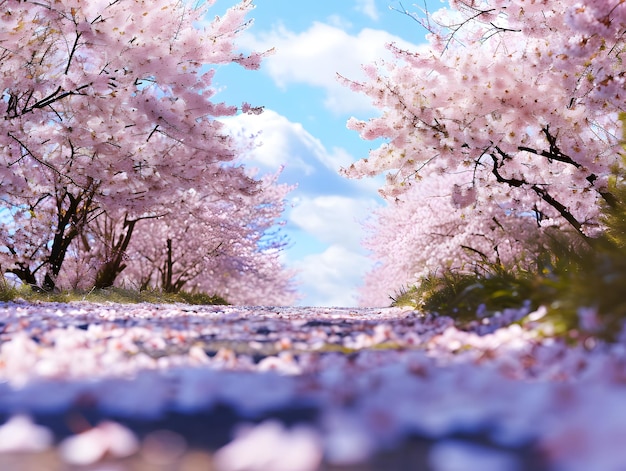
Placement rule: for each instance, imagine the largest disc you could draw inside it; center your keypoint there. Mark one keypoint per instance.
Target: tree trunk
(108, 273)
(62, 239)
(166, 273)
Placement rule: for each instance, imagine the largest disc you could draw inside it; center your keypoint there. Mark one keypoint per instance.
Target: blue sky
(304, 125)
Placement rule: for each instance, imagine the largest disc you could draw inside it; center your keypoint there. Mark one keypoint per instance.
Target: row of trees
(503, 130)
(114, 168)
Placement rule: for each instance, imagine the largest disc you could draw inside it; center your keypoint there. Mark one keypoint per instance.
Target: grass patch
(582, 287)
(463, 295)
(8, 292)
(112, 295)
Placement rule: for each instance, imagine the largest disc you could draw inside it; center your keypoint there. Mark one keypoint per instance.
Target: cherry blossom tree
(426, 232)
(108, 112)
(229, 245)
(512, 109)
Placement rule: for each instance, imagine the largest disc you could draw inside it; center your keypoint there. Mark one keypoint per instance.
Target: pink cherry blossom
(109, 126)
(92, 445)
(19, 435)
(270, 446)
(504, 128)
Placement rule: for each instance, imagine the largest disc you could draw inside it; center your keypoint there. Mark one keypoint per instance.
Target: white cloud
(281, 142)
(315, 56)
(331, 277)
(368, 8)
(333, 219)
(334, 265)
(337, 158)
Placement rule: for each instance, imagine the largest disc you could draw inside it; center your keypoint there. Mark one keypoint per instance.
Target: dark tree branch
(538, 190)
(27, 152)
(56, 95)
(550, 155)
(473, 13)
(152, 132)
(62, 238)
(555, 153)
(72, 52)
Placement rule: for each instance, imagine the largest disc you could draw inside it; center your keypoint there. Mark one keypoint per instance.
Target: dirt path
(229, 388)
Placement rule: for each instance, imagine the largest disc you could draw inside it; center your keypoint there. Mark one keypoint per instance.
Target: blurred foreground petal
(270, 446)
(20, 434)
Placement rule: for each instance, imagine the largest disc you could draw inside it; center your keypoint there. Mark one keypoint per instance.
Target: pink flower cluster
(505, 125)
(112, 149)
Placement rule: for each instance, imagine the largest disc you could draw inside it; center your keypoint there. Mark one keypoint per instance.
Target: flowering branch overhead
(109, 109)
(518, 102)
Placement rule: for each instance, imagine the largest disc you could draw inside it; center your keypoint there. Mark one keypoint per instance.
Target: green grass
(566, 277)
(113, 295)
(462, 295)
(7, 291)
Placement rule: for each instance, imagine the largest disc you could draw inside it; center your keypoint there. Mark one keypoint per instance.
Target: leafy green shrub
(8, 292)
(463, 296)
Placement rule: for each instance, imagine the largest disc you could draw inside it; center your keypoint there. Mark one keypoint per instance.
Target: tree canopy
(109, 122)
(504, 127)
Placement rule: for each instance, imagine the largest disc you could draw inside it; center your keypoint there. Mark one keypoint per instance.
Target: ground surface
(171, 387)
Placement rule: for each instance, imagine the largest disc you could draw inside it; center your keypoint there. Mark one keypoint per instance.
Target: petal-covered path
(297, 389)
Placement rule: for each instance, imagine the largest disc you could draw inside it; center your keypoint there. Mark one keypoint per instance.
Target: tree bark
(108, 273)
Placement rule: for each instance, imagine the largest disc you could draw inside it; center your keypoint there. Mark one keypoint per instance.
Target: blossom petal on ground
(270, 446)
(20, 434)
(457, 455)
(91, 446)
